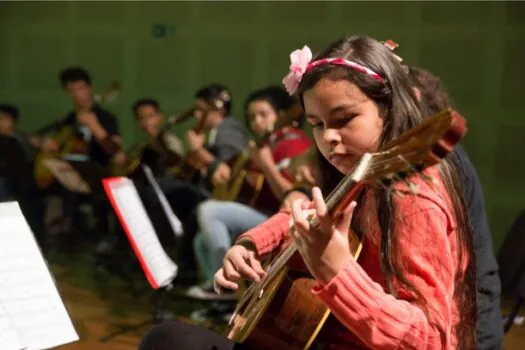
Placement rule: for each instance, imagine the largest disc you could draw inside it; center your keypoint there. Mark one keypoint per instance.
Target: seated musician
(92, 123)
(95, 134)
(221, 221)
(489, 332)
(161, 150)
(226, 139)
(413, 285)
(16, 164)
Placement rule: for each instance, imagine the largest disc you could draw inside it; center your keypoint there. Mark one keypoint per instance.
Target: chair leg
(512, 314)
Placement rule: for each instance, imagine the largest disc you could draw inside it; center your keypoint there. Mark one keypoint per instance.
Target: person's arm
(269, 235)
(106, 134)
(279, 184)
(428, 255)
(205, 156)
(41, 137)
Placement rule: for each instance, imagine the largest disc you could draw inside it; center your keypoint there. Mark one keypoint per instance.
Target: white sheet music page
(160, 270)
(174, 221)
(27, 289)
(9, 339)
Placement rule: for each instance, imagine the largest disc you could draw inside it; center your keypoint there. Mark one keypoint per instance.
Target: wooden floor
(94, 317)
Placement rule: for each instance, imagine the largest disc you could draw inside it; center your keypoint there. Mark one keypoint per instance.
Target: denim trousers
(220, 222)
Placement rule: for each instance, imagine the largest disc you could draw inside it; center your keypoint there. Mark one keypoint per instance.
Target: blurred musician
(221, 221)
(226, 139)
(87, 135)
(93, 124)
(160, 150)
(16, 164)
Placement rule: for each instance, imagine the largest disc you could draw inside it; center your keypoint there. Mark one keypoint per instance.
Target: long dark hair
(401, 111)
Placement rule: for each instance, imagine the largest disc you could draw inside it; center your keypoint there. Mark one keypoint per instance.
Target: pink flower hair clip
(299, 62)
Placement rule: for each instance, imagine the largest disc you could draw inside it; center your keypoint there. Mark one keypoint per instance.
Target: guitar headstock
(412, 152)
(109, 94)
(392, 46)
(415, 150)
(182, 116)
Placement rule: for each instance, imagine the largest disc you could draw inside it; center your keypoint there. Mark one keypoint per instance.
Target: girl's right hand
(239, 263)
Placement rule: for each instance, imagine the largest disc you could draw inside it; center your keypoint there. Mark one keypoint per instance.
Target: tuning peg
(412, 187)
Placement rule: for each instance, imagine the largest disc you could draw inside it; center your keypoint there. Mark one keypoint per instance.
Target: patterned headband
(301, 63)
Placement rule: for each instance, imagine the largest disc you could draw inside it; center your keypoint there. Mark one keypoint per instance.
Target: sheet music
(67, 175)
(9, 339)
(174, 221)
(27, 289)
(157, 265)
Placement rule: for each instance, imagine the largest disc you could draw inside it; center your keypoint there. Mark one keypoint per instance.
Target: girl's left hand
(325, 249)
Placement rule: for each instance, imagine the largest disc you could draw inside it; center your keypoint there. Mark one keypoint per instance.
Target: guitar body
(230, 190)
(69, 142)
(283, 315)
(281, 312)
(247, 186)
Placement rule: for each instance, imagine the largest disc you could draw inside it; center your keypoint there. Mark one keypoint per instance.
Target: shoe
(206, 292)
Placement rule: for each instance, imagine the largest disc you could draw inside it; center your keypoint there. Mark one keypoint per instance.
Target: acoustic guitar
(134, 155)
(69, 142)
(280, 312)
(191, 165)
(247, 184)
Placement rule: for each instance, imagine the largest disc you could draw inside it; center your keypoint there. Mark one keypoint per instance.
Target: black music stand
(158, 315)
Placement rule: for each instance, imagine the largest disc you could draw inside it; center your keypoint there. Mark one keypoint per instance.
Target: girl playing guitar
(413, 286)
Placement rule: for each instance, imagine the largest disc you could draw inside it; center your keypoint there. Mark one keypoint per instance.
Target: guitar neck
(338, 200)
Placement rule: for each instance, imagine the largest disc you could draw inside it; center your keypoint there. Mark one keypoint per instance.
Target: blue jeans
(219, 224)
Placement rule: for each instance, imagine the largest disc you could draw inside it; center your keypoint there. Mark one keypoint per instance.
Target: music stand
(159, 269)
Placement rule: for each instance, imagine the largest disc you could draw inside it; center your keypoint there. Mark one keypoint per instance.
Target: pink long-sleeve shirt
(366, 315)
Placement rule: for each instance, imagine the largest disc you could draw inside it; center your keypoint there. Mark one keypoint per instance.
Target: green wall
(477, 49)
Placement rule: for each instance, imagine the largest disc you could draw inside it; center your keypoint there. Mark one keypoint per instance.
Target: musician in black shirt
(93, 132)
